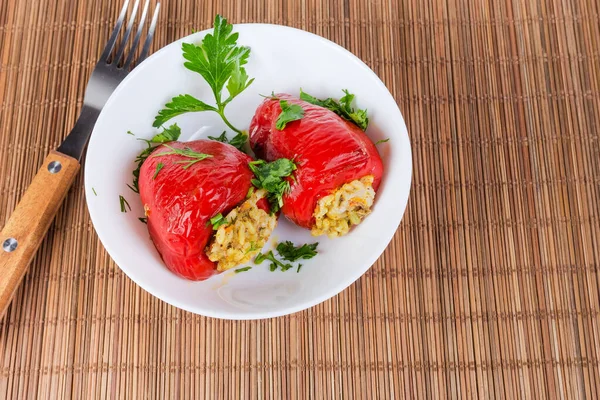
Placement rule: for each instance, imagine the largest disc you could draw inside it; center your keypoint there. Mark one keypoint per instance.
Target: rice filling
(337, 212)
(246, 232)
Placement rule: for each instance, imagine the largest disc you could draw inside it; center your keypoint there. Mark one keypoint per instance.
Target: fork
(29, 222)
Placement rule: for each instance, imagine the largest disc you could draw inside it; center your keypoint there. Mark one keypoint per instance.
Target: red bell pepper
(328, 150)
(180, 202)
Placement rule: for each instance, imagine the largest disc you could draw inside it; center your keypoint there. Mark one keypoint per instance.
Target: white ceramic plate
(282, 60)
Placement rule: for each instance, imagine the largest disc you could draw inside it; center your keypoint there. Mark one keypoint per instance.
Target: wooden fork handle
(29, 222)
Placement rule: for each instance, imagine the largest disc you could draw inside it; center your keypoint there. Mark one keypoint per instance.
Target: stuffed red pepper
(201, 213)
(338, 166)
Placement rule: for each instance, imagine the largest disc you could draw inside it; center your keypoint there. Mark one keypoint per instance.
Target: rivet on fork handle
(10, 245)
(54, 167)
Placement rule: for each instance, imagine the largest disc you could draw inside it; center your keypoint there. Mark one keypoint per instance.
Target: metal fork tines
(108, 73)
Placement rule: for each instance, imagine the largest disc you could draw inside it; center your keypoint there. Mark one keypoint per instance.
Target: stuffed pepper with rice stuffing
(338, 167)
(202, 211)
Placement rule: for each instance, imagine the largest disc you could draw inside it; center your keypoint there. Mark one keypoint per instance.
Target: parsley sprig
(271, 177)
(219, 60)
(343, 108)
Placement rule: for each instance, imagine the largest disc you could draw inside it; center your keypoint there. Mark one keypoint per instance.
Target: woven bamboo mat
(490, 288)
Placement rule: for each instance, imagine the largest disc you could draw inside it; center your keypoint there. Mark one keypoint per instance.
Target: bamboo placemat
(490, 288)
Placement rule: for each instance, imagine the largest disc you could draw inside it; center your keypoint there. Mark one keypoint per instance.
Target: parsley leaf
(221, 138)
(289, 113)
(219, 60)
(270, 176)
(167, 135)
(124, 204)
(382, 141)
(217, 221)
(144, 220)
(159, 166)
(217, 57)
(237, 271)
(343, 108)
(238, 141)
(289, 252)
(181, 104)
(238, 82)
(185, 152)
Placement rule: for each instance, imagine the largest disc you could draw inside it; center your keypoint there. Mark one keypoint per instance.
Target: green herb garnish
(289, 113)
(144, 220)
(219, 60)
(289, 252)
(343, 108)
(298, 269)
(94, 190)
(238, 141)
(159, 166)
(124, 204)
(382, 141)
(185, 152)
(169, 134)
(217, 221)
(270, 176)
(244, 269)
(271, 96)
(253, 247)
(274, 261)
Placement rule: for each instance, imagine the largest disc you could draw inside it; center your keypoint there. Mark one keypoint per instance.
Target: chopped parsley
(289, 113)
(159, 166)
(144, 220)
(219, 60)
(169, 134)
(289, 252)
(253, 247)
(382, 141)
(124, 204)
(217, 221)
(244, 269)
(343, 108)
(185, 152)
(275, 263)
(270, 176)
(94, 190)
(130, 133)
(238, 141)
